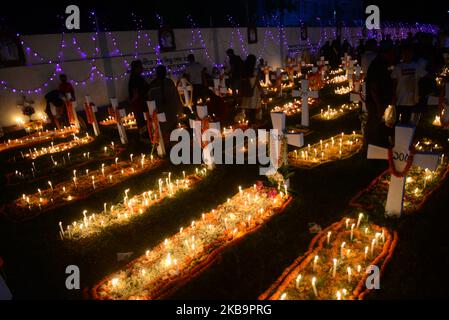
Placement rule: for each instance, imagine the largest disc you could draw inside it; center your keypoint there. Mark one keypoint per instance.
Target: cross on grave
(118, 115)
(350, 73)
(278, 152)
(357, 77)
(153, 119)
(322, 65)
(266, 71)
(305, 94)
(198, 127)
(91, 109)
(443, 103)
(185, 89)
(71, 110)
(402, 158)
(219, 87)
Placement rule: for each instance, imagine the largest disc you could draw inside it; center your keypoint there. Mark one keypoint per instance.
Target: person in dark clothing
(164, 92)
(58, 116)
(379, 94)
(334, 57)
(325, 50)
(66, 87)
(236, 69)
(138, 92)
(346, 47)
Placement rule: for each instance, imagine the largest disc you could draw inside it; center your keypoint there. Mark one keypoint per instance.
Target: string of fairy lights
(143, 40)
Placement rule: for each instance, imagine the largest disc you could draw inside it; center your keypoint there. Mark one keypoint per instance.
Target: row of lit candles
(172, 256)
(128, 208)
(344, 258)
(325, 149)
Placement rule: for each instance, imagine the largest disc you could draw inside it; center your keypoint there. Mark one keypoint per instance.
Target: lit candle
(342, 248)
(116, 161)
(352, 231)
(314, 286)
(328, 237)
(359, 219)
(50, 184)
(338, 295)
(93, 181)
(334, 270)
(347, 223)
(131, 157)
(74, 181)
(315, 260)
(366, 252)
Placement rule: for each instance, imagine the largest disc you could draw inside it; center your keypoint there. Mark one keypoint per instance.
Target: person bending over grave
(379, 94)
(406, 76)
(251, 91)
(138, 93)
(165, 93)
(66, 87)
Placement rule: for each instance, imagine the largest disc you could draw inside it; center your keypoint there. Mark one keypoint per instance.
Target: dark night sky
(41, 16)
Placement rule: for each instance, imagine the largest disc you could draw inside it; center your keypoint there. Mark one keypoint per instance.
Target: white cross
(435, 101)
(186, 89)
(401, 152)
(322, 64)
(266, 71)
(120, 127)
(350, 72)
(276, 137)
(198, 136)
(305, 94)
(89, 104)
(72, 106)
(156, 127)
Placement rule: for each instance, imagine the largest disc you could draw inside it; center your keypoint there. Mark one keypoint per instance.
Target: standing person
(379, 95)
(251, 92)
(138, 93)
(325, 50)
(235, 70)
(66, 87)
(164, 92)
(406, 76)
(334, 57)
(260, 70)
(194, 74)
(369, 55)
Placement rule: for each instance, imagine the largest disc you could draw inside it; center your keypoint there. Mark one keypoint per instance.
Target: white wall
(48, 46)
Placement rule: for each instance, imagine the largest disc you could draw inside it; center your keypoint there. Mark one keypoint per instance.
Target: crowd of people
(399, 76)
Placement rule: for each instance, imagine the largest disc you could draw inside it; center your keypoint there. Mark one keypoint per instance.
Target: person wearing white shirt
(369, 55)
(194, 72)
(406, 76)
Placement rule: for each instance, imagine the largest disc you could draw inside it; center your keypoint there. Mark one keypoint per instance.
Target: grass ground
(36, 259)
